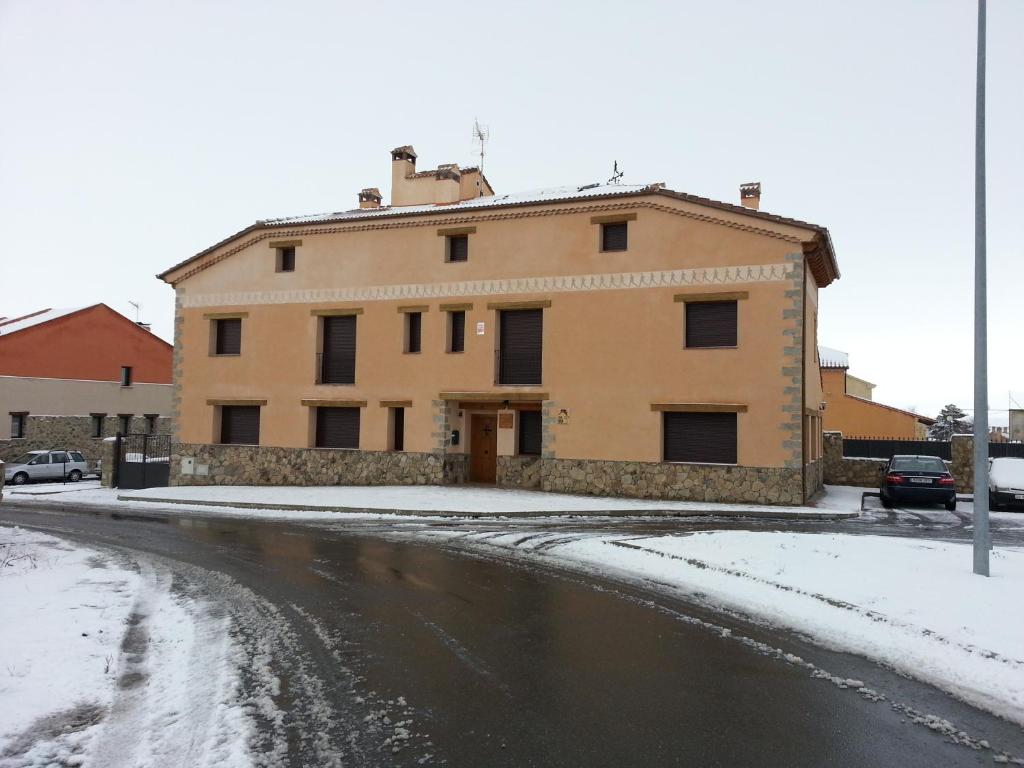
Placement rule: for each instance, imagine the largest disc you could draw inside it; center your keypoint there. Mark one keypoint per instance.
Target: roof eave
(818, 250)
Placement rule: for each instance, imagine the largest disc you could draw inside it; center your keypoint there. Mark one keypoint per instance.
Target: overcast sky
(134, 134)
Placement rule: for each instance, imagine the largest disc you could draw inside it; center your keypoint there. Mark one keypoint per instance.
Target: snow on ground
(910, 604)
(430, 499)
(101, 663)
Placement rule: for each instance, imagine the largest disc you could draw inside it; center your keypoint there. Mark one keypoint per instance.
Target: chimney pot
(750, 195)
(370, 198)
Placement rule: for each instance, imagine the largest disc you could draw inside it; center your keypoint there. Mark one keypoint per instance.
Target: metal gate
(143, 461)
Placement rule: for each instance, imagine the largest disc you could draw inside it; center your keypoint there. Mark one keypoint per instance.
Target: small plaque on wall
(505, 421)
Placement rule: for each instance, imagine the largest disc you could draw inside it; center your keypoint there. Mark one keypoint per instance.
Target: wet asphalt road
(487, 663)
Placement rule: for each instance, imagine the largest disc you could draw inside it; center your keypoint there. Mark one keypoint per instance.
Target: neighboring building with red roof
(69, 377)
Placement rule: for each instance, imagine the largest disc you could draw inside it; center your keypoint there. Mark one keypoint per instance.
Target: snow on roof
(35, 318)
(833, 358)
(549, 194)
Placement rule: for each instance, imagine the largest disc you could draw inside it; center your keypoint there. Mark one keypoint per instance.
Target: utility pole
(981, 533)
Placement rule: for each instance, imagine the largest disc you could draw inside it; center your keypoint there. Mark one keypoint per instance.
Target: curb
(711, 512)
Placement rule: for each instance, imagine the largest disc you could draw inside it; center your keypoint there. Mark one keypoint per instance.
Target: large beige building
(622, 339)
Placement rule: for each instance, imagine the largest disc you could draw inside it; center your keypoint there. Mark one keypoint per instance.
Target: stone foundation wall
(520, 472)
(677, 482)
(73, 433)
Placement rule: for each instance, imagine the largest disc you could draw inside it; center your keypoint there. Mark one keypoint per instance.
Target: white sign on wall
(480, 327)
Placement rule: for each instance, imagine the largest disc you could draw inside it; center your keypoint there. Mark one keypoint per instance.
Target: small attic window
(286, 259)
(458, 248)
(284, 254)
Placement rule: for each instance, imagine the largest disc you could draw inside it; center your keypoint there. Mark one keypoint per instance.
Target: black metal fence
(143, 461)
(1000, 450)
(885, 448)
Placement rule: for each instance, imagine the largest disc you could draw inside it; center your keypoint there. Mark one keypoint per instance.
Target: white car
(1005, 483)
(46, 465)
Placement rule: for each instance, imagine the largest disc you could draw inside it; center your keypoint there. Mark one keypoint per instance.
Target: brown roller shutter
(705, 438)
(458, 331)
(240, 424)
(287, 259)
(337, 427)
(613, 236)
(415, 325)
(398, 435)
(711, 324)
(529, 433)
(458, 248)
(339, 357)
(521, 350)
(229, 336)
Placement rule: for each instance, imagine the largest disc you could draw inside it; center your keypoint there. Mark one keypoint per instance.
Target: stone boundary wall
(962, 464)
(866, 473)
(839, 470)
(676, 482)
(107, 462)
(814, 479)
(520, 472)
(265, 465)
(456, 468)
(73, 433)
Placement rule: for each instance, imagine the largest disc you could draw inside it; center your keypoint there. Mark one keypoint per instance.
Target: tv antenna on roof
(616, 174)
(481, 133)
(138, 310)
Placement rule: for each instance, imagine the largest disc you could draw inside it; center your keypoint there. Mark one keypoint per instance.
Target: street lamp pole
(981, 532)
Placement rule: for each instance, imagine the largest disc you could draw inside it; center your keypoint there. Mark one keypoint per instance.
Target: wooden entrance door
(483, 448)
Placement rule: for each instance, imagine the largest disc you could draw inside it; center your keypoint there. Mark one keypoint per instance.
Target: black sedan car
(917, 480)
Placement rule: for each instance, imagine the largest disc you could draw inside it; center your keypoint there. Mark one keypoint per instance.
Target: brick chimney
(750, 195)
(369, 198)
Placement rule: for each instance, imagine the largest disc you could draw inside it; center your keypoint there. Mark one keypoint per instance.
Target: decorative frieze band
(615, 281)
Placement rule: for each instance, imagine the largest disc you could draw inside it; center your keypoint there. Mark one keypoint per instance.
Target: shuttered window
(337, 427)
(338, 365)
(457, 333)
(18, 425)
(711, 323)
(458, 248)
(240, 424)
(613, 236)
(705, 438)
(229, 336)
(286, 259)
(521, 347)
(413, 330)
(529, 433)
(97, 424)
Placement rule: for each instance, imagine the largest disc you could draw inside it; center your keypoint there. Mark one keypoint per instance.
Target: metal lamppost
(981, 532)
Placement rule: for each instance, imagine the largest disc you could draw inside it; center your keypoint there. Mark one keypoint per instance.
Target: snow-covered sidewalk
(325, 502)
(910, 604)
(102, 664)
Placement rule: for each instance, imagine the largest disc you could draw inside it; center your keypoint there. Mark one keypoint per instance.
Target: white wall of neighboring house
(69, 397)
